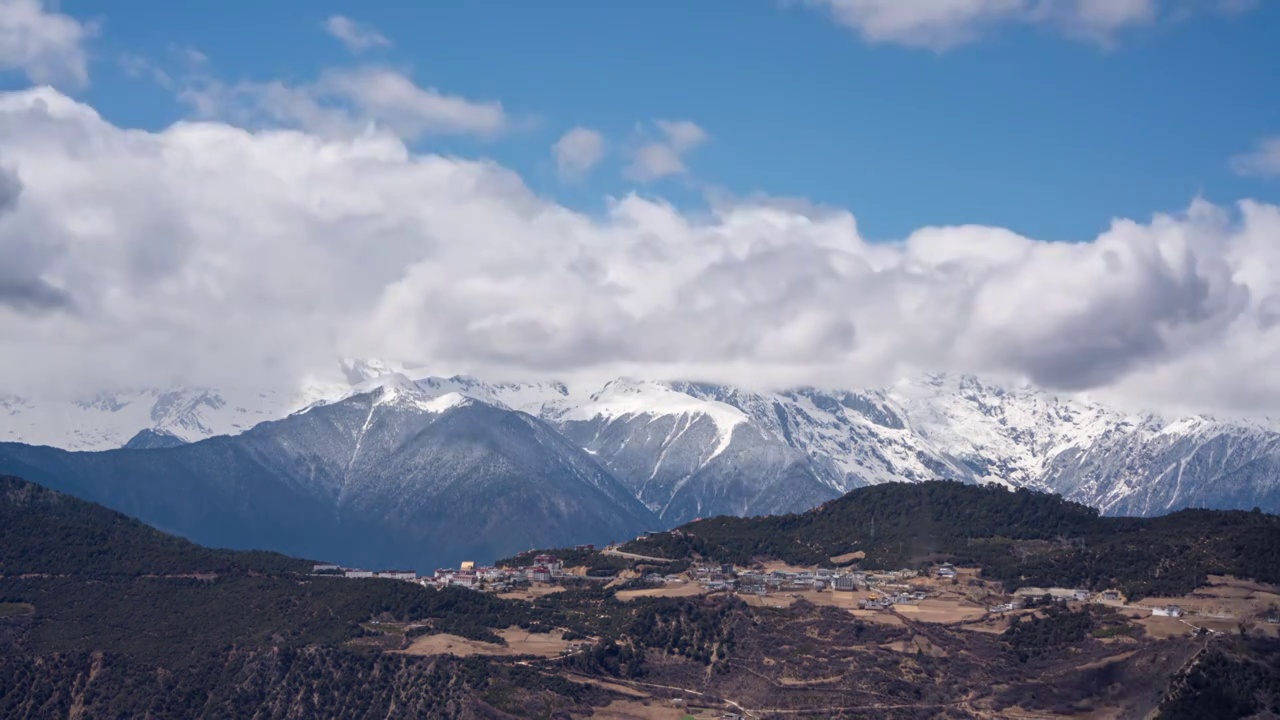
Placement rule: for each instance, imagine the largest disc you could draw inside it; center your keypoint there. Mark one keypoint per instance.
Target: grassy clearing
(11, 609)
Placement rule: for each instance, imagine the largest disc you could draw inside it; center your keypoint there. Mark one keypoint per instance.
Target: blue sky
(1025, 127)
(240, 192)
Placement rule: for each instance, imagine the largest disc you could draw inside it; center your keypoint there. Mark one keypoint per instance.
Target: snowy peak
(447, 402)
(626, 397)
(703, 448)
(396, 390)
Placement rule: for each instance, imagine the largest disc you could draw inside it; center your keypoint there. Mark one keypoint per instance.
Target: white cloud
(47, 46)
(654, 160)
(945, 24)
(349, 101)
(1263, 161)
(208, 253)
(577, 151)
(357, 37)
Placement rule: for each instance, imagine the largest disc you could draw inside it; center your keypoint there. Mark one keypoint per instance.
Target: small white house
(1168, 611)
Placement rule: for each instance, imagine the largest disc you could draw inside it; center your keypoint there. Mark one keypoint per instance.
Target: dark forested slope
(1021, 537)
(102, 616)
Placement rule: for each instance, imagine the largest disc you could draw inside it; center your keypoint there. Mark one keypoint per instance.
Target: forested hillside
(1021, 537)
(101, 616)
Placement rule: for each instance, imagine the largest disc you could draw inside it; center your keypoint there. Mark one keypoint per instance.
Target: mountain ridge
(387, 476)
(694, 449)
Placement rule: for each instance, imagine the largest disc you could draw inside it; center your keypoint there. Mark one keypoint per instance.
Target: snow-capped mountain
(387, 475)
(960, 428)
(111, 419)
(694, 449)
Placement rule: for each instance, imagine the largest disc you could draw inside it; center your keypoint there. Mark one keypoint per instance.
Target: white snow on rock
(627, 398)
(921, 428)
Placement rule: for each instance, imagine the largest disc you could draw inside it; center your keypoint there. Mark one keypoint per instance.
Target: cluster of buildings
(544, 569)
(888, 600)
(716, 578)
(1167, 611)
(338, 570)
(1065, 594)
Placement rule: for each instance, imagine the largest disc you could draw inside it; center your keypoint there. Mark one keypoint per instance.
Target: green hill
(1021, 537)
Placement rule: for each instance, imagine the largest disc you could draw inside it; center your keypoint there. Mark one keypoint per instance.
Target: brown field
(10, 609)
(1242, 599)
(638, 710)
(1161, 628)
(1229, 581)
(848, 557)
(519, 642)
(685, 589)
(774, 565)
(531, 592)
(777, 600)
(1222, 626)
(935, 610)
(829, 598)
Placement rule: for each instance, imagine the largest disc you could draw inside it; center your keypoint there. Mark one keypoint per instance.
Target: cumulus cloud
(213, 254)
(1263, 161)
(945, 24)
(356, 37)
(657, 159)
(23, 258)
(47, 46)
(577, 151)
(348, 101)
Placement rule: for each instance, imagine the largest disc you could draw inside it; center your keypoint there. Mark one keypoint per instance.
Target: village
(943, 593)
(544, 570)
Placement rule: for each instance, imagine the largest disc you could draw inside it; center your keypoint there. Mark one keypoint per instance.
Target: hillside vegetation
(101, 616)
(1023, 538)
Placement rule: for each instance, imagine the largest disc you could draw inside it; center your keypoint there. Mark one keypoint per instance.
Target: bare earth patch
(941, 611)
(685, 589)
(533, 591)
(1162, 628)
(778, 565)
(830, 598)
(848, 557)
(10, 609)
(638, 710)
(519, 642)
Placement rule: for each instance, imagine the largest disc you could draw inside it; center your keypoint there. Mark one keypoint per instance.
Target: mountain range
(398, 467)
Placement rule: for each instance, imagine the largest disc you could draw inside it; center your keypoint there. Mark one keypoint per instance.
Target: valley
(105, 616)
